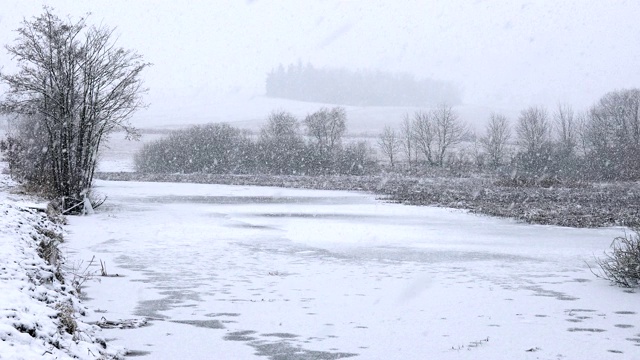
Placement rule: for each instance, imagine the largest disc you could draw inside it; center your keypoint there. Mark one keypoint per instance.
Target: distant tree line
(601, 143)
(360, 88)
(280, 148)
(540, 147)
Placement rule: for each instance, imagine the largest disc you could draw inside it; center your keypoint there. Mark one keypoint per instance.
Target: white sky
(503, 54)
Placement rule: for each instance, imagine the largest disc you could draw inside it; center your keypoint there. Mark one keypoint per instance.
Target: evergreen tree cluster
(358, 88)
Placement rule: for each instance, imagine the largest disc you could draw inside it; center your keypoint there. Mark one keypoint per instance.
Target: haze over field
(502, 55)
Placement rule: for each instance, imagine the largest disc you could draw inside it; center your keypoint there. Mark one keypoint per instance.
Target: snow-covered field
(250, 113)
(117, 154)
(231, 272)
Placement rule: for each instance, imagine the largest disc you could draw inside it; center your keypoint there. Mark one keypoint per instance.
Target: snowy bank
(40, 312)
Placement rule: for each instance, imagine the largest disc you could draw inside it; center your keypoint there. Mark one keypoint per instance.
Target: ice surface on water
(301, 274)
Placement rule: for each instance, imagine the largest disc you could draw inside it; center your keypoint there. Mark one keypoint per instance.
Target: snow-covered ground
(232, 272)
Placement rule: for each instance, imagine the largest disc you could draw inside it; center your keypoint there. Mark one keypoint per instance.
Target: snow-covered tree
(77, 85)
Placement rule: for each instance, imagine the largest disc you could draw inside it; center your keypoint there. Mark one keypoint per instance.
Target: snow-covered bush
(212, 148)
(279, 150)
(621, 264)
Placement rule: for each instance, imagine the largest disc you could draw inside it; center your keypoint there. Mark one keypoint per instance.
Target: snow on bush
(38, 309)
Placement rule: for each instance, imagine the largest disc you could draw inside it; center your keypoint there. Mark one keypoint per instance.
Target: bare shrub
(80, 275)
(66, 316)
(621, 264)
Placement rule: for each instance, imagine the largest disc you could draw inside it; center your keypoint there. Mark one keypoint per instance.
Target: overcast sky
(502, 54)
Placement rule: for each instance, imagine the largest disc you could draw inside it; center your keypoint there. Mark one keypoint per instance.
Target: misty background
(211, 59)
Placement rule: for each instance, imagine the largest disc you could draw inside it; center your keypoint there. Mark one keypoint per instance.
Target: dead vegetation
(621, 263)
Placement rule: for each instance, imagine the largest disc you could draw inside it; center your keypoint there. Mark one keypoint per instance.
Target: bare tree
(566, 129)
(494, 142)
(613, 134)
(408, 139)
(281, 125)
(327, 127)
(74, 82)
(424, 135)
(620, 111)
(389, 143)
(533, 129)
(477, 151)
(582, 132)
(449, 131)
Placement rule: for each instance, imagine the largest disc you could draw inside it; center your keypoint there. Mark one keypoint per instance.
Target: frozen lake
(235, 272)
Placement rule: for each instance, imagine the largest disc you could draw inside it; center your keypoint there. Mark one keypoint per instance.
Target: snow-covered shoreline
(41, 315)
